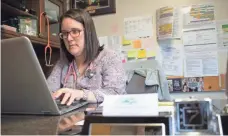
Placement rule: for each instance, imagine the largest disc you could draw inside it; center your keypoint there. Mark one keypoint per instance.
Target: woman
(85, 70)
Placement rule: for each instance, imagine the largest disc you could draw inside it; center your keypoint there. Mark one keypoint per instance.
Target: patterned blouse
(109, 76)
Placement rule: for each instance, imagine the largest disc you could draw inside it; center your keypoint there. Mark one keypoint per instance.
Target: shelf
(14, 11)
(34, 39)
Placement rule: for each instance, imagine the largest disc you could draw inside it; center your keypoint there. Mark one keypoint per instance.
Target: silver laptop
(24, 86)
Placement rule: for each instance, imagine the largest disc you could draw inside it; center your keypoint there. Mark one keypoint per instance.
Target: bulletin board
(114, 26)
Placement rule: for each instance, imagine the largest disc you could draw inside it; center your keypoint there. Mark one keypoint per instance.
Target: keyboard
(74, 105)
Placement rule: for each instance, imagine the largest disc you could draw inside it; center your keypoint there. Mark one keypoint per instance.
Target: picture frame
(96, 7)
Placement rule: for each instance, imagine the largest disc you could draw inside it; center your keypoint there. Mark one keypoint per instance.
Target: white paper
(111, 42)
(200, 48)
(115, 43)
(210, 66)
(222, 33)
(138, 27)
(166, 109)
(172, 59)
(131, 105)
(201, 60)
(200, 36)
(193, 68)
(102, 104)
(80, 123)
(103, 40)
(177, 23)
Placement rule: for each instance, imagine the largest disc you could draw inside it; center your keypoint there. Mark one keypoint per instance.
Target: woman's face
(74, 36)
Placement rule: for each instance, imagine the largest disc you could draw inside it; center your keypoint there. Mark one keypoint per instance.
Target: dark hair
(92, 46)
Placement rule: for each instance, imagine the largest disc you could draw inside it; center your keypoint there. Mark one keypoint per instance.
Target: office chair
(136, 85)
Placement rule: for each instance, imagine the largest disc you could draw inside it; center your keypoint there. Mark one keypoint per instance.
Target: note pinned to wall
(137, 44)
(147, 43)
(150, 53)
(132, 54)
(115, 28)
(125, 42)
(141, 54)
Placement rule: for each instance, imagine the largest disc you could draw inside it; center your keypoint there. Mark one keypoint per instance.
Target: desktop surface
(43, 124)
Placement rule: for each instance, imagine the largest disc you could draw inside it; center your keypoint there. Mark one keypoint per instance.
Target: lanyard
(71, 71)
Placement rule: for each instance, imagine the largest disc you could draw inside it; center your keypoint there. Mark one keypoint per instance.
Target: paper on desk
(131, 105)
(102, 104)
(80, 123)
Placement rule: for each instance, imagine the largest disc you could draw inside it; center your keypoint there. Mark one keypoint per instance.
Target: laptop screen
(126, 129)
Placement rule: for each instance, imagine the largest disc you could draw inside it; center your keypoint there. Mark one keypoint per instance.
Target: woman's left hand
(69, 95)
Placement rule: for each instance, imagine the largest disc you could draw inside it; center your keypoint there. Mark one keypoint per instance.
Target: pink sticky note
(147, 43)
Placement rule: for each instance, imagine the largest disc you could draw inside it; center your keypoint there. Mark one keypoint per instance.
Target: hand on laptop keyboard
(67, 95)
(58, 102)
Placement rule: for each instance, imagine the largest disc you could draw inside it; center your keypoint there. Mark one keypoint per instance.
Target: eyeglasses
(74, 32)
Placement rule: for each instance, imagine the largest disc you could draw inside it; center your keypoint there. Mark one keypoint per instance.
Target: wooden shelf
(14, 11)
(34, 39)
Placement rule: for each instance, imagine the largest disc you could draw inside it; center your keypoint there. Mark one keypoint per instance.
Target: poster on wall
(165, 22)
(168, 23)
(222, 28)
(191, 84)
(198, 14)
(138, 27)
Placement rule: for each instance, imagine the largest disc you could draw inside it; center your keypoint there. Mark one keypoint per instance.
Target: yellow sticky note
(132, 54)
(150, 54)
(142, 54)
(137, 44)
(125, 42)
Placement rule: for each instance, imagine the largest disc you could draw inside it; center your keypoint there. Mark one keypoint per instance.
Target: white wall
(131, 8)
(113, 24)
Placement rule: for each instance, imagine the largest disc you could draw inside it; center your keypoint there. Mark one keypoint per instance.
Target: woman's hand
(68, 95)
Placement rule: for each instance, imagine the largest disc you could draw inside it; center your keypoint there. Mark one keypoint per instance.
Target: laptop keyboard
(74, 105)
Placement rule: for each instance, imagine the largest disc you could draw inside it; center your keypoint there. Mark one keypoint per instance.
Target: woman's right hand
(68, 95)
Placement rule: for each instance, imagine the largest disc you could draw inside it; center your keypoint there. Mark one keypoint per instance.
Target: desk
(42, 125)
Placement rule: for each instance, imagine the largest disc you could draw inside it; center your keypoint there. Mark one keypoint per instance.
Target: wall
(113, 24)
